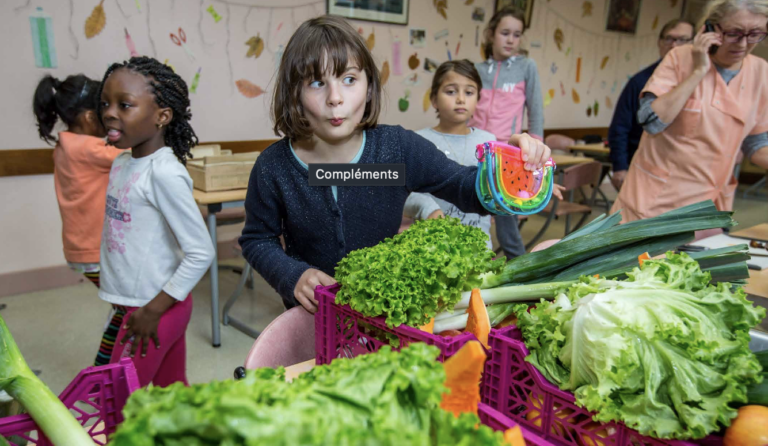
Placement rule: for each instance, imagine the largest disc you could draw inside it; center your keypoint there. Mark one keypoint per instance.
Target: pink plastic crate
(500, 422)
(517, 389)
(341, 332)
(95, 397)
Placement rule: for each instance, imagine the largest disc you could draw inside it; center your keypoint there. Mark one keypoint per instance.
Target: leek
(50, 414)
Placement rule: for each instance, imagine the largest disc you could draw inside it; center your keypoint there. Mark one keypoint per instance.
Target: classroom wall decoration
(239, 45)
(622, 15)
(395, 12)
(523, 5)
(42, 39)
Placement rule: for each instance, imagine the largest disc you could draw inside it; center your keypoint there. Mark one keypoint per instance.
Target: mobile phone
(710, 28)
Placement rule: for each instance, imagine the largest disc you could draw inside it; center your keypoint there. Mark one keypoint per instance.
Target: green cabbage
(411, 276)
(663, 351)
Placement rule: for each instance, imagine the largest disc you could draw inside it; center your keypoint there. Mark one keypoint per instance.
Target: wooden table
(757, 284)
(295, 370)
(570, 160)
(593, 149)
(215, 202)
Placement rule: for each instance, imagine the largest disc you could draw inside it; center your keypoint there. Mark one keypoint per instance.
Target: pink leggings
(168, 364)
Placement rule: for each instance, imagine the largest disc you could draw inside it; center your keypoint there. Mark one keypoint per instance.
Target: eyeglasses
(736, 36)
(679, 40)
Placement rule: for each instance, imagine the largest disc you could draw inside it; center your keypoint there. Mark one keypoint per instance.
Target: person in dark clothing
(625, 131)
(327, 99)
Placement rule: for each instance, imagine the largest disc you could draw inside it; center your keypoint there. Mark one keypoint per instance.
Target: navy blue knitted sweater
(318, 230)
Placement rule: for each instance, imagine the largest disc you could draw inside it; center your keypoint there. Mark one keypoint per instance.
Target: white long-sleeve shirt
(154, 237)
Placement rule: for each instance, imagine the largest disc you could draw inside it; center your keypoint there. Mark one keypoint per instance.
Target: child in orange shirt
(82, 162)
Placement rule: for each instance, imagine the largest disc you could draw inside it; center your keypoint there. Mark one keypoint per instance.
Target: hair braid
(171, 91)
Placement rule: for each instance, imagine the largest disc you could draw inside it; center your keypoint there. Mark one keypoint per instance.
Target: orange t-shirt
(81, 174)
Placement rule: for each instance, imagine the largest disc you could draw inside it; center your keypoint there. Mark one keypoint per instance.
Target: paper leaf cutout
(95, 23)
(248, 89)
(578, 69)
(596, 107)
(427, 100)
(441, 6)
(255, 46)
(559, 37)
(384, 72)
(655, 22)
(608, 103)
(586, 9)
(552, 92)
(371, 42)
(589, 111)
(562, 88)
(575, 96)
(413, 61)
(604, 62)
(403, 103)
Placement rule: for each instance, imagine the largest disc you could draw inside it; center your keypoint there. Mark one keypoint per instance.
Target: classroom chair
(572, 178)
(287, 340)
(560, 143)
(246, 277)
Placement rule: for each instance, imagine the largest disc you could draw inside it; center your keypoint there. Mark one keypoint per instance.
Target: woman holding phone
(704, 104)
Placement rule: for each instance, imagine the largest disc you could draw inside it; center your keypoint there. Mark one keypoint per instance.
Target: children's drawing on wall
(418, 37)
(430, 65)
(41, 26)
(623, 16)
(478, 14)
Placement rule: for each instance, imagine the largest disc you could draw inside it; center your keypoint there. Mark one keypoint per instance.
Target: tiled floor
(58, 330)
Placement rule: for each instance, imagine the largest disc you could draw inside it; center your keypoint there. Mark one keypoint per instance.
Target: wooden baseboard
(18, 162)
(29, 281)
(40, 161)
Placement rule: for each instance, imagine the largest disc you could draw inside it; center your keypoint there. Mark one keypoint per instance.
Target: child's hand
(437, 214)
(142, 325)
(557, 191)
(535, 153)
(305, 288)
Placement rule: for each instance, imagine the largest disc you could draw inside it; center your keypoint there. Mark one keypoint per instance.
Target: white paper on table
(723, 240)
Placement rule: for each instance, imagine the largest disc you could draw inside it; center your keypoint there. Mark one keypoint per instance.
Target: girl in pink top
(510, 86)
(81, 172)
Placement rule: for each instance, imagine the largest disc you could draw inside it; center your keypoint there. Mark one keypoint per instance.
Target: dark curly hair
(65, 100)
(171, 91)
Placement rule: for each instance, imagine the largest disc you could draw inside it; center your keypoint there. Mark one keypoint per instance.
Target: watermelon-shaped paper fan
(505, 187)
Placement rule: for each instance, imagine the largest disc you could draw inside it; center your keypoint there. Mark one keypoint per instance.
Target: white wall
(29, 221)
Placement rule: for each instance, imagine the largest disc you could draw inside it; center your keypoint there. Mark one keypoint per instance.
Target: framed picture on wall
(385, 11)
(523, 5)
(623, 16)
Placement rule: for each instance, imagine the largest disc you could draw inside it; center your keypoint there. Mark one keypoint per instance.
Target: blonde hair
(717, 10)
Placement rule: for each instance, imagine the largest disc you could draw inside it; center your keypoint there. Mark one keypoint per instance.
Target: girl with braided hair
(155, 247)
(81, 171)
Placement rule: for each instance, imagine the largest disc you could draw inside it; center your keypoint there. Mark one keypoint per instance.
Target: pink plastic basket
(341, 332)
(500, 422)
(517, 389)
(95, 397)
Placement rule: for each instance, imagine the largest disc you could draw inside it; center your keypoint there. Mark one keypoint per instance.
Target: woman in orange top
(82, 162)
(703, 104)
